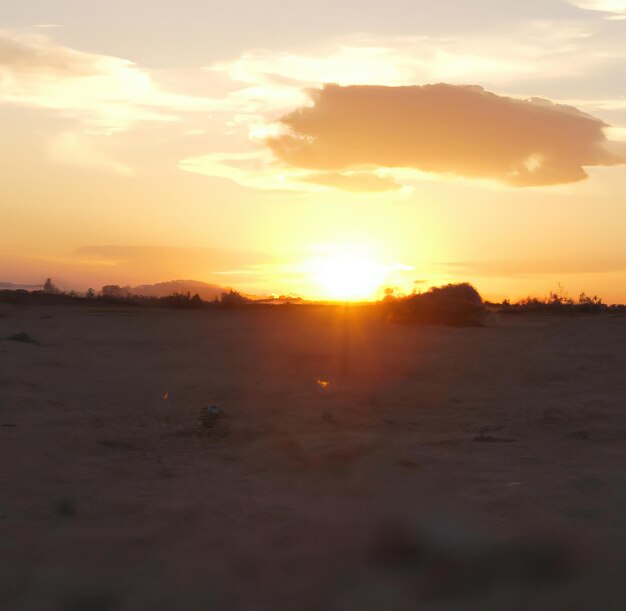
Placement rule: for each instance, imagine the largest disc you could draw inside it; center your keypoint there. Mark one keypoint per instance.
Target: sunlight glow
(347, 276)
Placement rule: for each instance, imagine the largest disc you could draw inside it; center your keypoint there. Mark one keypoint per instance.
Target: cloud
(32, 55)
(87, 98)
(617, 7)
(260, 170)
(536, 267)
(537, 49)
(132, 264)
(102, 92)
(75, 149)
(526, 59)
(442, 128)
(355, 182)
(256, 170)
(265, 84)
(209, 260)
(527, 56)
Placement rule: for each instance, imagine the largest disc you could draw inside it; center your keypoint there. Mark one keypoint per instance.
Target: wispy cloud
(535, 267)
(91, 96)
(103, 92)
(210, 259)
(267, 83)
(616, 8)
(262, 170)
(133, 263)
(76, 149)
(539, 49)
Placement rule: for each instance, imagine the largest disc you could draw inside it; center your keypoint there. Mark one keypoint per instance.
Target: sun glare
(347, 276)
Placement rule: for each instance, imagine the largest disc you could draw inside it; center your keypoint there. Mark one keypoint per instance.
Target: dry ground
(440, 468)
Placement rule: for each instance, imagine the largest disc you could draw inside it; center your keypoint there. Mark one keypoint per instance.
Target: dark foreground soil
(357, 464)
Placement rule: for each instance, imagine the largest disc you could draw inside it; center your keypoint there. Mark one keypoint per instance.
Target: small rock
(209, 416)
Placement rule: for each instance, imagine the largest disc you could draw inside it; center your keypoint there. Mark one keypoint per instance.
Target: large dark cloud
(458, 129)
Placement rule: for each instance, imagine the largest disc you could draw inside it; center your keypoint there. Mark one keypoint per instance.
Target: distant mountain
(14, 287)
(207, 291)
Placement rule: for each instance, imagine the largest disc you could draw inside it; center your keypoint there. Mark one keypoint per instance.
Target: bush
(453, 304)
(233, 299)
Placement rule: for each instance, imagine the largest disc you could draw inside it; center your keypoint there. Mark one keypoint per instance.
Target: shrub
(453, 304)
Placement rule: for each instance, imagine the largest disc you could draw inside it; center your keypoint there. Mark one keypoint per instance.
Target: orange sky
(295, 150)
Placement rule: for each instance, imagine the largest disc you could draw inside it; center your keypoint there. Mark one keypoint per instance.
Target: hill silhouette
(206, 291)
(12, 286)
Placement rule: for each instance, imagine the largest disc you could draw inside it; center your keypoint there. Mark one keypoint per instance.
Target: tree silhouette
(233, 299)
(115, 290)
(50, 288)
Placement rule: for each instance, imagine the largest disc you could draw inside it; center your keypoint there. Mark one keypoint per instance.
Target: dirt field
(358, 464)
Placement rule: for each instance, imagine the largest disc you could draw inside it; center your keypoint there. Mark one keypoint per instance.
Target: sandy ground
(440, 468)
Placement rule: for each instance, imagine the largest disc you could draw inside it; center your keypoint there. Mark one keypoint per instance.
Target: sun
(347, 276)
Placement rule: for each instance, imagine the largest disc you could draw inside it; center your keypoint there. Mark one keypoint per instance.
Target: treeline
(452, 304)
(559, 303)
(121, 296)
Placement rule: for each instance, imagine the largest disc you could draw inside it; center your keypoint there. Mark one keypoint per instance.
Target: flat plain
(358, 463)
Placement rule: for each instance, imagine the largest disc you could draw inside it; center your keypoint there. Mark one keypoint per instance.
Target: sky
(325, 149)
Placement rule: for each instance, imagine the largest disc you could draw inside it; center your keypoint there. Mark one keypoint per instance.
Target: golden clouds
(102, 92)
(356, 182)
(528, 57)
(98, 95)
(87, 98)
(616, 7)
(541, 50)
(459, 130)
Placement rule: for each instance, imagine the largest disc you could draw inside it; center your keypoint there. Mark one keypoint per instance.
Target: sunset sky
(286, 147)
